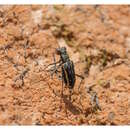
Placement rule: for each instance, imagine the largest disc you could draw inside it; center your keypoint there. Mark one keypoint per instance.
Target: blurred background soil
(97, 39)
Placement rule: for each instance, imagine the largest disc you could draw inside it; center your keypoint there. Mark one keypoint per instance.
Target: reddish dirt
(97, 39)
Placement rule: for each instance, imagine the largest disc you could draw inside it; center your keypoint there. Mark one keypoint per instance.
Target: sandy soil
(97, 39)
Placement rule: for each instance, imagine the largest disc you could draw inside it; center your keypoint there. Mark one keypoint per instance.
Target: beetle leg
(82, 78)
(95, 102)
(62, 93)
(55, 70)
(54, 62)
(70, 94)
(62, 88)
(58, 76)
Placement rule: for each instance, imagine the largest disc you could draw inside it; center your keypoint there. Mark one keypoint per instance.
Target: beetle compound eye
(58, 51)
(64, 48)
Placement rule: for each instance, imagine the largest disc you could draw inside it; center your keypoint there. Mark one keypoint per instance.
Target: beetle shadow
(68, 105)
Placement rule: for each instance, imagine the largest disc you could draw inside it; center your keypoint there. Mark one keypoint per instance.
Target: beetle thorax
(64, 57)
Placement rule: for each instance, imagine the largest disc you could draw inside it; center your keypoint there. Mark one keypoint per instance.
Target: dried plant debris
(19, 80)
(104, 59)
(61, 30)
(104, 83)
(94, 98)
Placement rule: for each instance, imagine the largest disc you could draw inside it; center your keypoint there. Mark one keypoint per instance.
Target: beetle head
(61, 50)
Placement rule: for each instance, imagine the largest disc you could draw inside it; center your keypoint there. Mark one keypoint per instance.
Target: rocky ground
(97, 39)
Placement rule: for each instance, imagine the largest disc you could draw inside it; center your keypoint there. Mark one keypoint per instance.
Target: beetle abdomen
(68, 74)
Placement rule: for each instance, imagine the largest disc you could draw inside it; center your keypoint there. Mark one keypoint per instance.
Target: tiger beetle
(68, 75)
